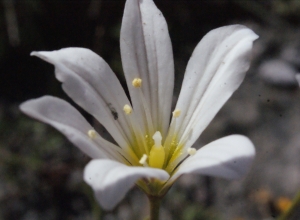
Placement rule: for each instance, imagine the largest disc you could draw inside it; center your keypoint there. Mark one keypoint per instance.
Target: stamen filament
(143, 160)
(170, 143)
(147, 113)
(170, 137)
(110, 150)
(179, 154)
(136, 131)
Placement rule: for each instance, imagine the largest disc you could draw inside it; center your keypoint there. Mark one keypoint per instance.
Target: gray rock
(278, 73)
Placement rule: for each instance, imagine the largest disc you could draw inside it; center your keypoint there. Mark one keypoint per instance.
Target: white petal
(215, 70)
(65, 118)
(90, 82)
(111, 180)
(229, 157)
(147, 53)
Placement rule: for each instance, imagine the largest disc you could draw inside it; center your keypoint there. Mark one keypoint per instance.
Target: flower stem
(154, 207)
(296, 202)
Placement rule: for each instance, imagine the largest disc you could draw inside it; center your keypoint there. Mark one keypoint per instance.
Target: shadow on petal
(111, 180)
(229, 157)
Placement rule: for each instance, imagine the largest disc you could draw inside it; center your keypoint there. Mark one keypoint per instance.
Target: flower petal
(229, 157)
(90, 82)
(111, 180)
(146, 52)
(65, 118)
(215, 70)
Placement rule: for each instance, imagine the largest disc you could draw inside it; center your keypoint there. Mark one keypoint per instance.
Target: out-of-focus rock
(291, 54)
(278, 73)
(242, 112)
(298, 78)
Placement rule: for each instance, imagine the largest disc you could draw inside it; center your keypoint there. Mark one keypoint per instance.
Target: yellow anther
(176, 113)
(191, 151)
(157, 152)
(143, 160)
(137, 82)
(92, 134)
(127, 109)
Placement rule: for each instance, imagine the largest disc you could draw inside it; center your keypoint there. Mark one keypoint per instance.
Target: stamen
(191, 151)
(171, 142)
(137, 82)
(127, 109)
(176, 113)
(143, 160)
(136, 131)
(92, 134)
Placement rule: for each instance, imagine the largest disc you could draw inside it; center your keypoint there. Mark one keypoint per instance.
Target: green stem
(154, 207)
(296, 202)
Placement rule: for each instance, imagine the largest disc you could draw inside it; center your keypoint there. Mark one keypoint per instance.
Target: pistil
(157, 153)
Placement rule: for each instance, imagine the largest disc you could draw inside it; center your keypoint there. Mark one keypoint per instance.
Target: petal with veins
(215, 70)
(146, 52)
(111, 180)
(90, 82)
(229, 157)
(65, 118)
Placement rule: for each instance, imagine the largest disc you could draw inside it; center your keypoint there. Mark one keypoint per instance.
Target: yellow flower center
(147, 147)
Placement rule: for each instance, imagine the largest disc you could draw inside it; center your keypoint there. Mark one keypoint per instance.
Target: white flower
(150, 151)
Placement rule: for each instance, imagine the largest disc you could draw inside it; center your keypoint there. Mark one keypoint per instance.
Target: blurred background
(41, 172)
